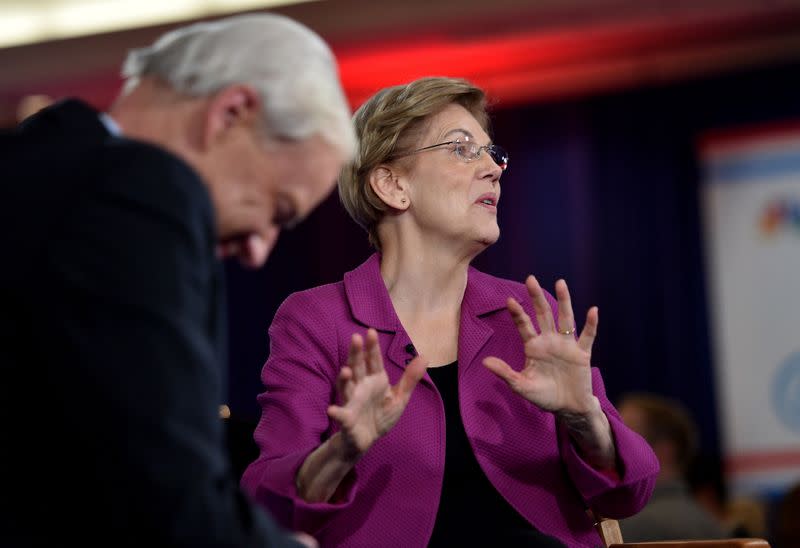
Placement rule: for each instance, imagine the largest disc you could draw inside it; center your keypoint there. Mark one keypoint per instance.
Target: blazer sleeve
(131, 282)
(613, 495)
(299, 384)
(625, 492)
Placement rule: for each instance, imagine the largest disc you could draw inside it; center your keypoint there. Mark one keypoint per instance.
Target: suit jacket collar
(371, 306)
(485, 293)
(70, 117)
(368, 297)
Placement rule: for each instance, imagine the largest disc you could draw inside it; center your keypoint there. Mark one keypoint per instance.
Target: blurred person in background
(672, 512)
(741, 515)
(706, 480)
(502, 433)
(113, 350)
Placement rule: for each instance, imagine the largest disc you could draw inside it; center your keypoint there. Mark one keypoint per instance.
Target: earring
(403, 201)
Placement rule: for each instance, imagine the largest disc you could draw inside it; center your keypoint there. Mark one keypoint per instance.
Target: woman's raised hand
(556, 375)
(370, 406)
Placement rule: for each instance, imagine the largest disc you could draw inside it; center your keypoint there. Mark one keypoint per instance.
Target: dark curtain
(602, 191)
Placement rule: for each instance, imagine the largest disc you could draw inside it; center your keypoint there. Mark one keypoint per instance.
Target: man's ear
(389, 187)
(233, 107)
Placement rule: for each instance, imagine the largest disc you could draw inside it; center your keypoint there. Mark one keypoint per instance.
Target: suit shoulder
(147, 200)
(325, 299)
(158, 181)
(313, 318)
(152, 167)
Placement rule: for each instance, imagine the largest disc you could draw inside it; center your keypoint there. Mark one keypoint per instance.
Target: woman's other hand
(557, 373)
(370, 406)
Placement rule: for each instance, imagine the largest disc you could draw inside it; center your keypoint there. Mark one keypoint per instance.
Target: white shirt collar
(111, 125)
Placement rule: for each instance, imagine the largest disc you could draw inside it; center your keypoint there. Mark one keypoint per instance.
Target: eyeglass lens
(499, 155)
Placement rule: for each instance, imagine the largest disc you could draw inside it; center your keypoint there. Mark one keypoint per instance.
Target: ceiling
(519, 50)
(26, 22)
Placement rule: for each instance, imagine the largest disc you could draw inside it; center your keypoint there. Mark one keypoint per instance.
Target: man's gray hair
(292, 68)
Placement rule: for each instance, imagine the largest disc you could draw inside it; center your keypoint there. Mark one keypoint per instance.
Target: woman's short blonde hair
(387, 126)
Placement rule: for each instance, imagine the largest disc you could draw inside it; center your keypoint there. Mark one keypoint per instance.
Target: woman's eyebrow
(466, 133)
(460, 130)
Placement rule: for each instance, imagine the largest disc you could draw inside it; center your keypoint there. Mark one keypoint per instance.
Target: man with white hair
(113, 348)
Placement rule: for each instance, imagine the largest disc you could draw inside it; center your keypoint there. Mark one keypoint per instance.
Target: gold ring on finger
(568, 331)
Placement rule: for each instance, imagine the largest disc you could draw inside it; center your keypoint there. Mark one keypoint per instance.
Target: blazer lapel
(371, 306)
(484, 295)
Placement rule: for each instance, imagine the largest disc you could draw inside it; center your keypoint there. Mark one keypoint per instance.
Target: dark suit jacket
(113, 346)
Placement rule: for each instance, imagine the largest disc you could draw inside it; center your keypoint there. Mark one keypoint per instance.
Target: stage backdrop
(751, 211)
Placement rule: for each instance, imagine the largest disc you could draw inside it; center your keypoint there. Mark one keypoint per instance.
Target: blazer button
(411, 350)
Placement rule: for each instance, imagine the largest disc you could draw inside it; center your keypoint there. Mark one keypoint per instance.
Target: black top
(112, 347)
(471, 511)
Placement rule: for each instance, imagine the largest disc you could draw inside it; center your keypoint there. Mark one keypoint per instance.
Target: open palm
(556, 375)
(370, 406)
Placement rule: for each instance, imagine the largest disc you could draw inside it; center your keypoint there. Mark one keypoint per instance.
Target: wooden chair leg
(608, 529)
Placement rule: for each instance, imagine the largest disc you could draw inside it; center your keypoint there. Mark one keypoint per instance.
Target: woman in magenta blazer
(420, 402)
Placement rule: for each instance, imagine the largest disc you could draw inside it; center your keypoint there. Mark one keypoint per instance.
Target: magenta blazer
(392, 496)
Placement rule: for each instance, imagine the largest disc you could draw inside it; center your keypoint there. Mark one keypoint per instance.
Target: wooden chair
(612, 538)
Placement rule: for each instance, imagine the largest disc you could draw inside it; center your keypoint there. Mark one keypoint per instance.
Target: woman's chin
(489, 238)
(483, 241)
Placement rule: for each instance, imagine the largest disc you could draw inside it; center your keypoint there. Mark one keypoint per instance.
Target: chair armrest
(722, 543)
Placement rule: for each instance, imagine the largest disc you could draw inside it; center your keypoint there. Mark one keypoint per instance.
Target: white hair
(292, 68)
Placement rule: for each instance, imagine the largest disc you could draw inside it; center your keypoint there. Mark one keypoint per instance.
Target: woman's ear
(389, 187)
